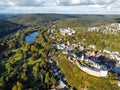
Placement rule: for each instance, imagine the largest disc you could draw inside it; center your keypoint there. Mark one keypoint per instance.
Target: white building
(65, 31)
(59, 46)
(107, 51)
(119, 83)
(92, 46)
(103, 73)
(99, 73)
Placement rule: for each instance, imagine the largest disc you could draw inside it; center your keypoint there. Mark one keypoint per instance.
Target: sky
(61, 6)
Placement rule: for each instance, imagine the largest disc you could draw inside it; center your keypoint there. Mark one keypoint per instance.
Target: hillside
(89, 20)
(77, 19)
(7, 27)
(39, 18)
(6, 16)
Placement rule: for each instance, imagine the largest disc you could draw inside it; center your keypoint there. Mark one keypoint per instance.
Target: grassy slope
(79, 79)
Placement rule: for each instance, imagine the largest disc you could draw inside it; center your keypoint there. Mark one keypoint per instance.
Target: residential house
(65, 31)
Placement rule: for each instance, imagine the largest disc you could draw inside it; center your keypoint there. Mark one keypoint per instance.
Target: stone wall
(97, 73)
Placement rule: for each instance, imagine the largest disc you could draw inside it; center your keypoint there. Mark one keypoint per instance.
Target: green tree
(14, 87)
(33, 48)
(24, 76)
(35, 70)
(19, 85)
(8, 66)
(12, 60)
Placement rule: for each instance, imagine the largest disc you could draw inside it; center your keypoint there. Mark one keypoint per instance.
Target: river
(31, 37)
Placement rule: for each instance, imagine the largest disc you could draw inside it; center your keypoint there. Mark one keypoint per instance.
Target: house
(94, 64)
(119, 83)
(91, 71)
(70, 58)
(59, 46)
(103, 73)
(75, 45)
(89, 53)
(74, 55)
(81, 47)
(92, 46)
(115, 55)
(106, 51)
(98, 53)
(82, 57)
(117, 58)
(65, 31)
(118, 26)
(65, 52)
(68, 43)
(93, 29)
(112, 28)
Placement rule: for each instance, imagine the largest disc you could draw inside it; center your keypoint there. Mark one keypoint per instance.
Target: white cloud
(83, 9)
(21, 2)
(96, 6)
(60, 6)
(3, 3)
(84, 2)
(109, 7)
(116, 4)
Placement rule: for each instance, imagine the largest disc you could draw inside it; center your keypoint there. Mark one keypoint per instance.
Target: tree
(14, 87)
(8, 67)
(35, 56)
(24, 76)
(25, 66)
(12, 44)
(7, 54)
(12, 60)
(20, 53)
(1, 82)
(35, 70)
(47, 79)
(27, 46)
(53, 82)
(33, 48)
(24, 54)
(19, 85)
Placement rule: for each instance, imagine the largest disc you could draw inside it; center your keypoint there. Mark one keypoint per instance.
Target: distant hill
(7, 16)
(7, 27)
(83, 19)
(89, 20)
(40, 18)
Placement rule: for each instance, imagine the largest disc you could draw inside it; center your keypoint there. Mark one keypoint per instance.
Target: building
(93, 72)
(65, 31)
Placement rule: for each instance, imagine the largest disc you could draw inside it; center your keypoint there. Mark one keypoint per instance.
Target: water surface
(31, 37)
